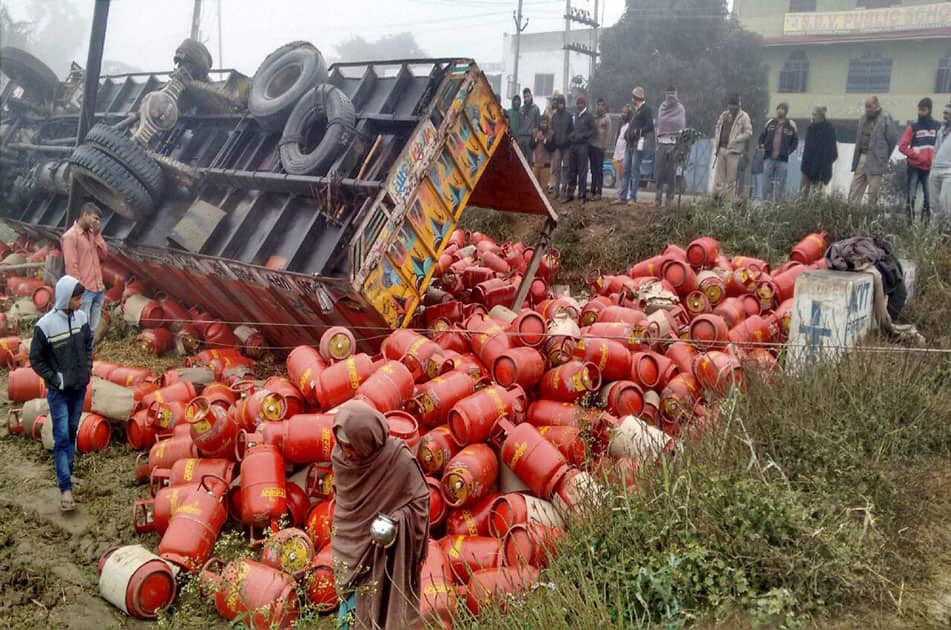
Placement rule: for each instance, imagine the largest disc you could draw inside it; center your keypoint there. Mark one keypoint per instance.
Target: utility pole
(221, 46)
(580, 16)
(196, 19)
(567, 50)
(519, 27)
(594, 41)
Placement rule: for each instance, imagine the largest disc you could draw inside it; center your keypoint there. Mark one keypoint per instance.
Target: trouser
(559, 163)
(631, 180)
(578, 171)
(618, 172)
(665, 167)
(724, 180)
(940, 182)
(862, 182)
(808, 186)
(542, 173)
(66, 408)
(92, 307)
(918, 177)
(596, 160)
(774, 179)
(525, 144)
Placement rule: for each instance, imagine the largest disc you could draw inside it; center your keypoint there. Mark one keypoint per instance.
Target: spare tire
(194, 56)
(110, 183)
(124, 150)
(29, 72)
(283, 78)
(325, 113)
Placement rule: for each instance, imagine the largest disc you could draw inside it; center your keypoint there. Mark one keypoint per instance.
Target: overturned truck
(305, 197)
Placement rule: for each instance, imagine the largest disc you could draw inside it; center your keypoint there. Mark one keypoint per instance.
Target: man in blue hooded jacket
(61, 353)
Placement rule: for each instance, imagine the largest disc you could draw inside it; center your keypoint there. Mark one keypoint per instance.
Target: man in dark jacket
(819, 153)
(527, 124)
(583, 134)
(561, 128)
(917, 145)
(778, 141)
(61, 354)
(638, 137)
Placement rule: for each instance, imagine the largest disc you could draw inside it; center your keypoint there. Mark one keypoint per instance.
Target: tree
(54, 32)
(695, 45)
(12, 32)
(395, 46)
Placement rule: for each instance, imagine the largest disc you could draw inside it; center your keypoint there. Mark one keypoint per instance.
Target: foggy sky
(144, 33)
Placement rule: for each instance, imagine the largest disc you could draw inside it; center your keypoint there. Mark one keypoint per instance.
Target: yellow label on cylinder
(352, 373)
(273, 493)
(189, 469)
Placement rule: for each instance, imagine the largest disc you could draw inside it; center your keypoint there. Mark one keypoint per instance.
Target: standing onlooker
(917, 144)
(83, 251)
(527, 124)
(541, 153)
(561, 126)
(61, 354)
(637, 137)
(582, 135)
(819, 153)
(778, 141)
(671, 121)
(941, 168)
(514, 115)
(876, 140)
(620, 146)
(598, 146)
(733, 130)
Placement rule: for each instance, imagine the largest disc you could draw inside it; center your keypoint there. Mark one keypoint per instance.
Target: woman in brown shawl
(374, 474)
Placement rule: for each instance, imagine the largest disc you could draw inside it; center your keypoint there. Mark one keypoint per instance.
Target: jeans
(940, 182)
(559, 163)
(916, 177)
(66, 408)
(631, 179)
(596, 159)
(577, 171)
(525, 144)
(92, 307)
(348, 608)
(774, 178)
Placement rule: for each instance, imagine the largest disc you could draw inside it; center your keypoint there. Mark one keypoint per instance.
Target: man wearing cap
(61, 354)
(83, 250)
(877, 137)
(941, 168)
(733, 130)
(638, 137)
(917, 145)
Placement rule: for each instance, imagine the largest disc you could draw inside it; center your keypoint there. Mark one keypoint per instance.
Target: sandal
(66, 502)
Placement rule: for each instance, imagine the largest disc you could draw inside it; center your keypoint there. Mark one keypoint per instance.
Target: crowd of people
(562, 147)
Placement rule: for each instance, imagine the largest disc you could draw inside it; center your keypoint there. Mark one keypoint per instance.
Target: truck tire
(194, 56)
(282, 79)
(28, 71)
(120, 147)
(110, 183)
(324, 112)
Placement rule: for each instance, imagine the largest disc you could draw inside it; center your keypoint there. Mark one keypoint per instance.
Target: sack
(759, 157)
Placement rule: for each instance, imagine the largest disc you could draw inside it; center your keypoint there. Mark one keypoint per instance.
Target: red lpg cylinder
(212, 429)
(320, 479)
(183, 391)
(702, 253)
(568, 442)
(473, 418)
(289, 550)
(530, 545)
(718, 371)
(304, 366)
(156, 341)
(305, 438)
(190, 471)
(528, 329)
(494, 292)
(298, 504)
(436, 448)
(195, 524)
(403, 426)
(467, 554)
(165, 453)
(321, 588)
(552, 413)
(488, 337)
(697, 303)
(810, 249)
(535, 460)
(336, 344)
(473, 520)
(647, 268)
(493, 584)
(320, 523)
(42, 298)
(622, 398)
(516, 508)
(519, 366)
(339, 382)
(471, 475)
(263, 493)
(424, 357)
(93, 434)
(651, 370)
(708, 331)
(136, 581)
(437, 504)
(593, 309)
(680, 275)
(262, 596)
(712, 285)
(261, 407)
(679, 397)
(731, 310)
(612, 357)
(292, 396)
(682, 354)
(436, 397)
(751, 331)
(620, 314)
(570, 381)
(24, 384)
(786, 281)
(388, 387)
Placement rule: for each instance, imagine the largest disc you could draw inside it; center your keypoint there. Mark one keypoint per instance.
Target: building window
(872, 72)
(544, 84)
(802, 6)
(942, 84)
(795, 72)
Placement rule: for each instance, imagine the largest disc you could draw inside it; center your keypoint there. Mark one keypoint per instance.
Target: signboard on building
(901, 18)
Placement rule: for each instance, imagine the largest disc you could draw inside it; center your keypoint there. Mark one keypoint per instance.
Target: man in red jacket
(83, 250)
(917, 144)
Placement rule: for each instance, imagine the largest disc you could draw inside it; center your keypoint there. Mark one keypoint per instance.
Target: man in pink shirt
(83, 248)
